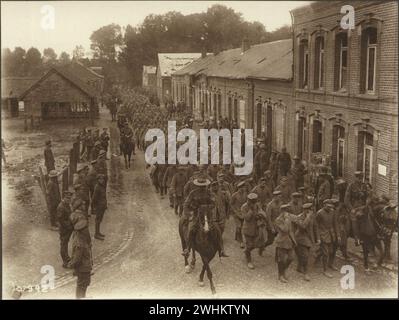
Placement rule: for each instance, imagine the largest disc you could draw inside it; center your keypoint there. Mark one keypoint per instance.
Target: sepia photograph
(199, 150)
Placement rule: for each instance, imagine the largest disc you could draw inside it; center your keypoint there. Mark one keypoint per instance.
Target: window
(301, 137)
(338, 151)
(317, 136)
(341, 61)
(368, 60)
(319, 63)
(365, 154)
(303, 64)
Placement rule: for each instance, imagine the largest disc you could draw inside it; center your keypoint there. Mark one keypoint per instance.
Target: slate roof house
(167, 64)
(64, 91)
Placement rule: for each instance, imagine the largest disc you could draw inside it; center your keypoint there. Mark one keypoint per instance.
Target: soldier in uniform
(324, 191)
(99, 203)
(179, 180)
(264, 193)
(96, 150)
(305, 233)
(296, 203)
(54, 198)
(49, 161)
(65, 226)
(252, 213)
(89, 145)
(261, 161)
(327, 225)
(222, 204)
(272, 212)
(283, 162)
(237, 200)
(285, 189)
(389, 221)
(197, 198)
(269, 179)
(80, 179)
(104, 139)
(101, 166)
(285, 242)
(298, 171)
(81, 259)
(355, 197)
(91, 180)
(167, 182)
(273, 166)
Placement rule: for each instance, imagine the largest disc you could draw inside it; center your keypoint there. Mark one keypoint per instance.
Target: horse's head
(204, 213)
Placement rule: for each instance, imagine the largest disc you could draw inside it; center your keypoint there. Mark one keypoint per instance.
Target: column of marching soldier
(274, 205)
(70, 214)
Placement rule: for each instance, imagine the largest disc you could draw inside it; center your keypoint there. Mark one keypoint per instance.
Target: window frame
(341, 50)
(370, 46)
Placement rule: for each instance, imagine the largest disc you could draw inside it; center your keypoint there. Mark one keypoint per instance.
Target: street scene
(200, 150)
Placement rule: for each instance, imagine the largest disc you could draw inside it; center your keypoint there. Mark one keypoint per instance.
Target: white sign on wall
(382, 170)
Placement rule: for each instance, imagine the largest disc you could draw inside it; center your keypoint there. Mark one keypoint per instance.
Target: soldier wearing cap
(305, 235)
(252, 214)
(285, 189)
(285, 241)
(91, 180)
(269, 179)
(237, 200)
(261, 161)
(355, 197)
(324, 190)
(99, 204)
(222, 208)
(264, 193)
(296, 203)
(96, 150)
(327, 225)
(177, 185)
(80, 179)
(65, 225)
(49, 161)
(167, 181)
(81, 258)
(54, 198)
(89, 144)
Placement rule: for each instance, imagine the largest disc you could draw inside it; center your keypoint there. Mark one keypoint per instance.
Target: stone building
(346, 89)
(66, 91)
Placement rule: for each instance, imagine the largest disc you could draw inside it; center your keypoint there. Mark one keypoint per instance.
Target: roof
(74, 72)
(13, 87)
(150, 69)
(171, 62)
(266, 61)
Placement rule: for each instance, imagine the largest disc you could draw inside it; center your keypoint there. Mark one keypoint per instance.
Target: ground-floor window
(301, 137)
(338, 151)
(365, 152)
(317, 136)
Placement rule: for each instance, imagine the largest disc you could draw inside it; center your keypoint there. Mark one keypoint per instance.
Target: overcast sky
(76, 20)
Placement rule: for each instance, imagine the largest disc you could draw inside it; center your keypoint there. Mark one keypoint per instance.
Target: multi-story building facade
(346, 88)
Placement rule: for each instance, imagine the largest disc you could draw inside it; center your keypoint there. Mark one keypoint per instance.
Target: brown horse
(206, 242)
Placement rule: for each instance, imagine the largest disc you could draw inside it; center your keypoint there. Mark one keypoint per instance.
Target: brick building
(251, 84)
(167, 64)
(346, 88)
(66, 91)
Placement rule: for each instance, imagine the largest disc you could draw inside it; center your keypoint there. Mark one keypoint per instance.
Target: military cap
(102, 153)
(283, 178)
(97, 143)
(262, 146)
(296, 194)
(301, 189)
(241, 184)
(100, 176)
(81, 166)
(93, 161)
(53, 174)
(77, 186)
(200, 182)
(391, 205)
(267, 172)
(252, 196)
(296, 157)
(214, 184)
(327, 201)
(67, 193)
(48, 142)
(334, 201)
(340, 181)
(263, 179)
(221, 174)
(276, 193)
(358, 173)
(307, 205)
(285, 207)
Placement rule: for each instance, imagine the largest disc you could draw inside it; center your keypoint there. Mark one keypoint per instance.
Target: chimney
(245, 45)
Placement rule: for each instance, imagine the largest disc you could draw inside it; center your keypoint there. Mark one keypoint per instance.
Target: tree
(105, 42)
(33, 62)
(78, 53)
(49, 56)
(64, 58)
